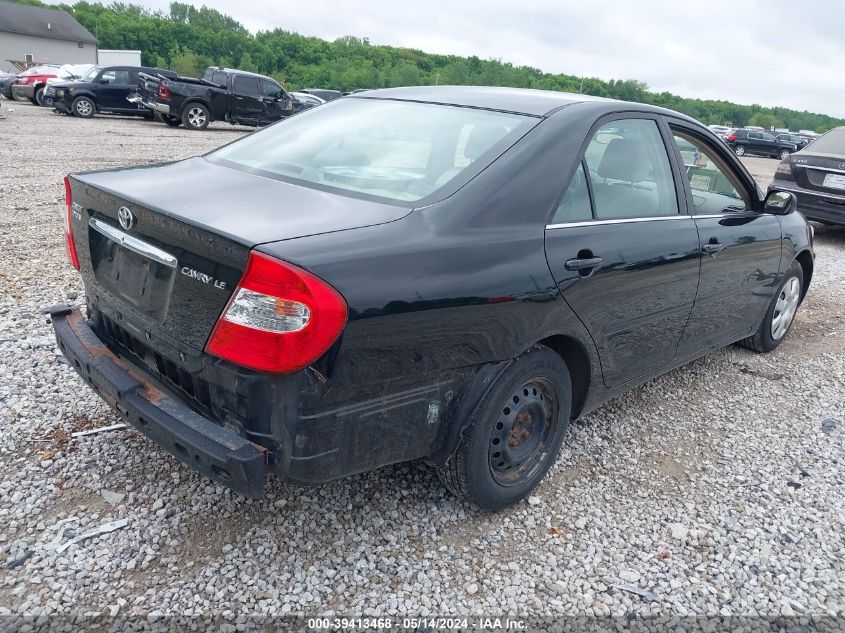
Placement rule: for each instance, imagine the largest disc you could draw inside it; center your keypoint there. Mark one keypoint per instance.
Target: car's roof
(523, 100)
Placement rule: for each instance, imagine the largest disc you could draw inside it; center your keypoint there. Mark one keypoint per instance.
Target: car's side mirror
(780, 203)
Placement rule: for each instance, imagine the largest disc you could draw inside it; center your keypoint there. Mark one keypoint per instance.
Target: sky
(771, 52)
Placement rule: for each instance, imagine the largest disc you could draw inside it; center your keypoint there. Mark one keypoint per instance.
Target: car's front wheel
(39, 96)
(781, 312)
(196, 116)
(84, 107)
(515, 433)
(784, 153)
(739, 150)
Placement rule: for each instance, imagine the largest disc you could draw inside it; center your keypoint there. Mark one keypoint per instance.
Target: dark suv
(789, 137)
(744, 142)
(103, 90)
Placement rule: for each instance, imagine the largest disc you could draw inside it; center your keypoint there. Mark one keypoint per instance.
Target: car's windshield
(832, 142)
(392, 149)
(91, 74)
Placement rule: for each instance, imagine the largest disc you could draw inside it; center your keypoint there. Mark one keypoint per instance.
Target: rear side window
(218, 78)
(630, 172)
(247, 86)
(575, 205)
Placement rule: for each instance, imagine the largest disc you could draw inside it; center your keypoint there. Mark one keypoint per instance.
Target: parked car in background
(307, 100)
(66, 73)
(747, 141)
(6, 80)
(816, 175)
(808, 135)
(223, 94)
(30, 83)
(103, 90)
(448, 273)
(789, 137)
(323, 93)
(720, 130)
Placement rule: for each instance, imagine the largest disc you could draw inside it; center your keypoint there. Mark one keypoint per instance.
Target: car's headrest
(625, 159)
(482, 138)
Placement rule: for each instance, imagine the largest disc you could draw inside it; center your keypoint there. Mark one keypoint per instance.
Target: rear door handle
(582, 263)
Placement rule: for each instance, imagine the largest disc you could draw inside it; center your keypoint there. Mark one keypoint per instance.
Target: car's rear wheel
(781, 313)
(84, 107)
(514, 435)
(739, 150)
(172, 121)
(784, 153)
(196, 116)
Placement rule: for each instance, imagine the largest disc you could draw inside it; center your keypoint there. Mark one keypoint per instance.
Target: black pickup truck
(222, 94)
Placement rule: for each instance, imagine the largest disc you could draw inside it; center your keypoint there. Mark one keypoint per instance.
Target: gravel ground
(715, 489)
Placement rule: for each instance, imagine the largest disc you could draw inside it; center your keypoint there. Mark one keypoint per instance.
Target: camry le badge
(126, 218)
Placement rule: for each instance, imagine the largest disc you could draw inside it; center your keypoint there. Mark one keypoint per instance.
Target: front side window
(115, 76)
(715, 187)
(390, 149)
(630, 172)
(271, 89)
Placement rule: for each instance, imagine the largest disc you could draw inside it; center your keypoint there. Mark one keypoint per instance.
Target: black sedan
(444, 273)
(816, 175)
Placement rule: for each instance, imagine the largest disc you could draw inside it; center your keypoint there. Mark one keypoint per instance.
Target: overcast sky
(772, 52)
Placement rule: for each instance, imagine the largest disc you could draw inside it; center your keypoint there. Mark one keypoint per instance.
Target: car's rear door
(741, 247)
(247, 106)
(623, 251)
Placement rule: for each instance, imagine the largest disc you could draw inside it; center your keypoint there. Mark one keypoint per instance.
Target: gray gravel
(716, 489)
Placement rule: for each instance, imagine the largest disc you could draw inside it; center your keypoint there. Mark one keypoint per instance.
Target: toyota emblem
(126, 218)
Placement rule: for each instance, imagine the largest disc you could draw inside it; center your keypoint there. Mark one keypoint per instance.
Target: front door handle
(582, 263)
(713, 249)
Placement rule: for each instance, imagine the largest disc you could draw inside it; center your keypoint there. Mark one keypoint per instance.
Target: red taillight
(163, 91)
(732, 137)
(280, 318)
(71, 247)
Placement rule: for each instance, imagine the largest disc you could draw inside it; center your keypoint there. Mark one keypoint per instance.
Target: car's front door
(741, 247)
(114, 87)
(623, 252)
(277, 103)
(247, 105)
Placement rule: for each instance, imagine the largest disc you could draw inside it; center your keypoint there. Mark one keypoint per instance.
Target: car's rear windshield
(390, 149)
(832, 142)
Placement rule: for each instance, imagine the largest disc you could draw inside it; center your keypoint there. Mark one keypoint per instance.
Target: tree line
(188, 39)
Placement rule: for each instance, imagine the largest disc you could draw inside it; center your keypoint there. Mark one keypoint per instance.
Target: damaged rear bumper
(219, 453)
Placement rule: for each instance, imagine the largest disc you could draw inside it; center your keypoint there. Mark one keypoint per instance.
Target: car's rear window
(832, 142)
(390, 149)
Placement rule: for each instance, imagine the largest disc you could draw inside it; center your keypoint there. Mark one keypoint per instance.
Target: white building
(43, 36)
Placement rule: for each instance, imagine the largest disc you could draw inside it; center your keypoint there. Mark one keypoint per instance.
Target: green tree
(765, 120)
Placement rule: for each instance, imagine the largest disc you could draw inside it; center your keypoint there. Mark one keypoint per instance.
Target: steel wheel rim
(786, 306)
(196, 117)
(740, 150)
(784, 154)
(522, 432)
(83, 108)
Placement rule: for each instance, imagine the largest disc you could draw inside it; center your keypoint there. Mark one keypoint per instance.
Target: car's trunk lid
(168, 272)
(820, 172)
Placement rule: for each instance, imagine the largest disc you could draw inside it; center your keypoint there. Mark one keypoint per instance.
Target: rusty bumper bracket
(219, 453)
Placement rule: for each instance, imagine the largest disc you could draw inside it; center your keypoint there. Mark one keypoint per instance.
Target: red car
(31, 83)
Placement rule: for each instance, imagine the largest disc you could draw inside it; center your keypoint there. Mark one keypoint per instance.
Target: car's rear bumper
(27, 91)
(217, 452)
(155, 106)
(823, 207)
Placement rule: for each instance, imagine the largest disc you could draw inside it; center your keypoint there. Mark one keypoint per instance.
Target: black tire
(763, 339)
(39, 97)
(83, 107)
(195, 116)
(535, 388)
(172, 121)
(739, 150)
(784, 153)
